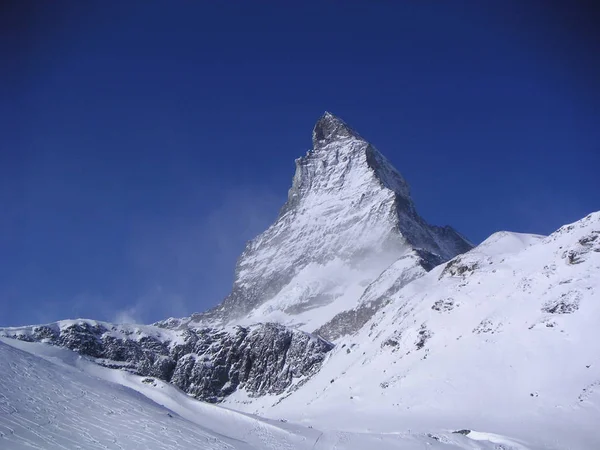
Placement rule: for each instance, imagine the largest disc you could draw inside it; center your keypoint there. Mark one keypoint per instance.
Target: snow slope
(52, 398)
(503, 338)
(48, 406)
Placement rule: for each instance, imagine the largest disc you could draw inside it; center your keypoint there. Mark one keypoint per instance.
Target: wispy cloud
(177, 265)
(185, 265)
(154, 304)
(129, 315)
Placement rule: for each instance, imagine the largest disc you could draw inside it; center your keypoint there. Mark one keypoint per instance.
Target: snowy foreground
(52, 398)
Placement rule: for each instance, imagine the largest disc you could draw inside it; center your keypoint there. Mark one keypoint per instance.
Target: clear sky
(143, 143)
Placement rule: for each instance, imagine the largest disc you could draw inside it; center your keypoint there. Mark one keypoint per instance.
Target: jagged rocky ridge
(206, 363)
(349, 216)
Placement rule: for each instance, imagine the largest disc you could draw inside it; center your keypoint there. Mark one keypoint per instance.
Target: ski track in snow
(45, 408)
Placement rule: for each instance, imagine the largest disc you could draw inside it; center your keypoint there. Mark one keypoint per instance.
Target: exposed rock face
(207, 363)
(348, 217)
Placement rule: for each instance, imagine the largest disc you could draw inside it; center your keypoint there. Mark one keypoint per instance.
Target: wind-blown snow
(348, 217)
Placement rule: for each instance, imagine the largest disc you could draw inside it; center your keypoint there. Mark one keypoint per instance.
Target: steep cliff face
(206, 363)
(348, 217)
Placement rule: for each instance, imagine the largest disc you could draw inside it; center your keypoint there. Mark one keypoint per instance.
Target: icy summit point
(330, 127)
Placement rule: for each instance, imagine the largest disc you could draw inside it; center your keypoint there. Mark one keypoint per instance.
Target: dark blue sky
(143, 143)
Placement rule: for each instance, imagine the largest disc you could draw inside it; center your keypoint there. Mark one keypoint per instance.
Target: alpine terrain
(352, 323)
(348, 218)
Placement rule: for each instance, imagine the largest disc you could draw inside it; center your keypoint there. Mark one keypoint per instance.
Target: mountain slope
(502, 338)
(51, 398)
(348, 217)
(412, 265)
(46, 406)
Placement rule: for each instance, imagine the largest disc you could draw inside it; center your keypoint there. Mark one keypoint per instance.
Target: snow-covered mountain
(502, 338)
(349, 215)
(431, 335)
(348, 236)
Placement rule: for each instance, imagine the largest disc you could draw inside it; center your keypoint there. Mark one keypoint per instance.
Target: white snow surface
(342, 213)
(52, 398)
(401, 272)
(503, 338)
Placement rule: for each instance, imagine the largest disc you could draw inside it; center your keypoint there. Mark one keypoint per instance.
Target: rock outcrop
(207, 363)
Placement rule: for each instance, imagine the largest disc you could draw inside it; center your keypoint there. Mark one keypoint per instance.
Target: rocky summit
(349, 216)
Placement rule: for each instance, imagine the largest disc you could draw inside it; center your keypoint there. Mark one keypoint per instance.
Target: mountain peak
(348, 217)
(330, 128)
